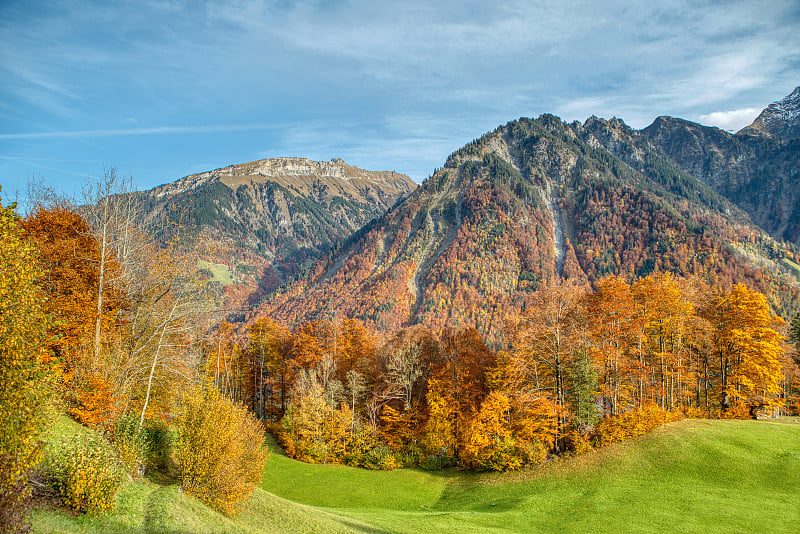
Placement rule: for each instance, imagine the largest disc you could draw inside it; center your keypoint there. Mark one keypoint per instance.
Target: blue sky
(163, 89)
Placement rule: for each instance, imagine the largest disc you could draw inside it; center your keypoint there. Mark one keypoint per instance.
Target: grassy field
(220, 272)
(689, 476)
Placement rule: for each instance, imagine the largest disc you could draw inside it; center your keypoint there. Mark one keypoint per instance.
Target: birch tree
(125, 258)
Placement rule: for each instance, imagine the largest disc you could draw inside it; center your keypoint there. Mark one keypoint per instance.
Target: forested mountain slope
(270, 218)
(532, 200)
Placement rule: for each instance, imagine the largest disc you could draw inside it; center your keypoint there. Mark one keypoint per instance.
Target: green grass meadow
(220, 272)
(690, 476)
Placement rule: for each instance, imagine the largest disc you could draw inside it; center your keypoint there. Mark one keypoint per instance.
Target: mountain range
(757, 171)
(535, 199)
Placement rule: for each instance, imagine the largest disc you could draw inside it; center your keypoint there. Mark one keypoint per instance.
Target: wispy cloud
(386, 84)
(36, 164)
(157, 130)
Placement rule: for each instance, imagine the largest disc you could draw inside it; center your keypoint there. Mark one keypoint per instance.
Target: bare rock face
(325, 180)
(780, 119)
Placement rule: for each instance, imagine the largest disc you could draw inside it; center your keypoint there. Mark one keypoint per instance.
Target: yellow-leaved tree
(24, 365)
(749, 349)
(439, 430)
(219, 449)
(490, 442)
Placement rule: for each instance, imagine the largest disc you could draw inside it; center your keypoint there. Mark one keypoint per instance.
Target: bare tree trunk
(111, 212)
(100, 294)
(153, 372)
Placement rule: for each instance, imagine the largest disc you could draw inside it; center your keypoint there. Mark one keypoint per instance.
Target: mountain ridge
(532, 200)
(758, 172)
(268, 220)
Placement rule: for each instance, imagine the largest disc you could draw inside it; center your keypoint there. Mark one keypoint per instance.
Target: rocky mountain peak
(779, 119)
(755, 169)
(291, 172)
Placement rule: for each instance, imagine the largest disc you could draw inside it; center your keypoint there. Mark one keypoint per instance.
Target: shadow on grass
(162, 477)
(360, 527)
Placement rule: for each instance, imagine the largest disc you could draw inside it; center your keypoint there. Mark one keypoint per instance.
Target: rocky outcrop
(758, 173)
(780, 119)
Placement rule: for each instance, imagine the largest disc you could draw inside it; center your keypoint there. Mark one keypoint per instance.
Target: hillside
(158, 505)
(758, 168)
(532, 200)
(689, 476)
(264, 221)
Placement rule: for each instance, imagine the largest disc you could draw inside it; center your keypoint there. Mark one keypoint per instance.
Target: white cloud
(726, 75)
(732, 120)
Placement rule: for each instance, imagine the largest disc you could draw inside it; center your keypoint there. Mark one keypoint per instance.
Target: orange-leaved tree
(490, 441)
(462, 372)
(614, 328)
(549, 340)
(667, 315)
(68, 254)
(268, 352)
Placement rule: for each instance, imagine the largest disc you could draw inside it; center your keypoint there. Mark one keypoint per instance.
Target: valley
(689, 476)
(565, 327)
(381, 267)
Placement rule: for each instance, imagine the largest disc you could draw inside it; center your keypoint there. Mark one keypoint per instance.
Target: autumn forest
(459, 330)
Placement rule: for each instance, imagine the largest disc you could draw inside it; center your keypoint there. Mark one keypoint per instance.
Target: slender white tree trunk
(153, 367)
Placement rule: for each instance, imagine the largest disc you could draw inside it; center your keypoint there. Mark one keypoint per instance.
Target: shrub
(437, 461)
(85, 472)
(219, 449)
(379, 457)
(489, 443)
(578, 442)
(506, 454)
(408, 454)
(632, 423)
(93, 401)
(692, 412)
(737, 410)
(130, 442)
(23, 369)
